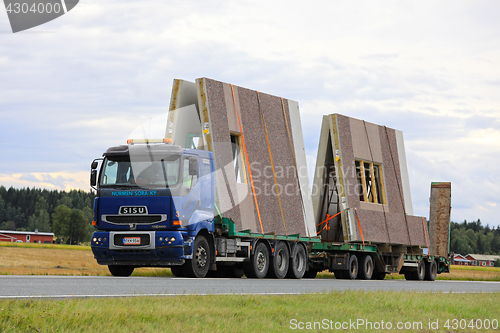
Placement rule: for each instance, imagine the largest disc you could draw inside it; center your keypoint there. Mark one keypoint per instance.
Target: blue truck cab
(154, 208)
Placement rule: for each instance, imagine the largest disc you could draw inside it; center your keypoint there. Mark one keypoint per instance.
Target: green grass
(46, 246)
(257, 313)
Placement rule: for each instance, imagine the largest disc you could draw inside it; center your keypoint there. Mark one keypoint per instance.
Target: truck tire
(298, 263)
(177, 271)
(199, 265)
(119, 270)
(258, 265)
(430, 271)
(352, 271)
(279, 263)
(420, 273)
(365, 267)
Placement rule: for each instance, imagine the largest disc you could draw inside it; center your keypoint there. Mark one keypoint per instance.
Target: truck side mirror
(193, 166)
(94, 165)
(93, 177)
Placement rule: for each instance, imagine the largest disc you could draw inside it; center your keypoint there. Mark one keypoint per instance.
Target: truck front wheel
(199, 265)
(352, 271)
(118, 270)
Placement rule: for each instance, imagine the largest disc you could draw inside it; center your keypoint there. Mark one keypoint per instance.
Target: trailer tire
(430, 271)
(353, 268)
(199, 265)
(258, 265)
(420, 273)
(365, 267)
(177, 271)
(298, 263)
(119, 270)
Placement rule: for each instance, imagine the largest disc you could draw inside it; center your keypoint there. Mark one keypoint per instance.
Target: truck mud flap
(339, 262)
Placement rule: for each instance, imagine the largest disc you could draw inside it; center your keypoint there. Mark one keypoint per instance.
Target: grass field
(413, 312)
(54, 259)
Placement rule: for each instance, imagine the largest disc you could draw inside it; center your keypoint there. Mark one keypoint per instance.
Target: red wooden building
(26, 237)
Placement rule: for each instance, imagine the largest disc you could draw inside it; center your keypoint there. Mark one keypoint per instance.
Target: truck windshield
(120, 171)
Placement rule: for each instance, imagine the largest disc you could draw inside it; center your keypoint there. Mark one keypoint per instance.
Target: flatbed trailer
(345, 260)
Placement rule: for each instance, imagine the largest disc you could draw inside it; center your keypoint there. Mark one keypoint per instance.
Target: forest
(69, 215)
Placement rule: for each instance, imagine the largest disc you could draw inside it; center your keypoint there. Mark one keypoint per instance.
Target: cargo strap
(272, 163)
(327, 221)
(359, 225)
(246, 159)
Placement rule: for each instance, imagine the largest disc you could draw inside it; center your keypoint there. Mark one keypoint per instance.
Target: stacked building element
(361, 189)
(261, 174)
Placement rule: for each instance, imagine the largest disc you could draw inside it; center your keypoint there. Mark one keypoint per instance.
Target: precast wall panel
(375, 207)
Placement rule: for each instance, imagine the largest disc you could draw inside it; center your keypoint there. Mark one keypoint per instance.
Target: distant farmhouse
(26, 237)
(475, 260)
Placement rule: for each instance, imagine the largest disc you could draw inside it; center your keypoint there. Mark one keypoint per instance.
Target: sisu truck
(155, 207)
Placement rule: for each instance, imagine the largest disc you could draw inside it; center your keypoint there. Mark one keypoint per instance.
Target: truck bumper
(151, 248)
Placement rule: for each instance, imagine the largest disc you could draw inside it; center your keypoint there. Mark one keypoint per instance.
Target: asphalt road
(93, 286)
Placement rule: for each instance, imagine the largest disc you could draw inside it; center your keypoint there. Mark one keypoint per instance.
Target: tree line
(67, 214)
(473, 237)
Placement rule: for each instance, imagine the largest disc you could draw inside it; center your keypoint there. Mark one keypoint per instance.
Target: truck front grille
(146, 219)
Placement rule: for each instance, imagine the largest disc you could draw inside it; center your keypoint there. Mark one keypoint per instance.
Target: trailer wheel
(298, 263)
(177, 271)
(420, 273)
(258, 265)
(119, 270)
(352, 271)
(199, 265)
(365, 267)
(430, 271)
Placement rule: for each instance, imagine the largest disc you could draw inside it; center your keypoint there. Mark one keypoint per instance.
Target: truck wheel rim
(281, 260)
(201, 257)
(261, 261)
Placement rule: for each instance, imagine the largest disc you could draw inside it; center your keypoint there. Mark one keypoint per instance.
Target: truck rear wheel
(365, 267)
(199, 265)
(430, 271)
(298, 263)
(279, 263)
(118, 270)
(258, 265)
(352, 271)
(420, 273)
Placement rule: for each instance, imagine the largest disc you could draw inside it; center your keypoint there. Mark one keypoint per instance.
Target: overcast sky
(74, 86)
